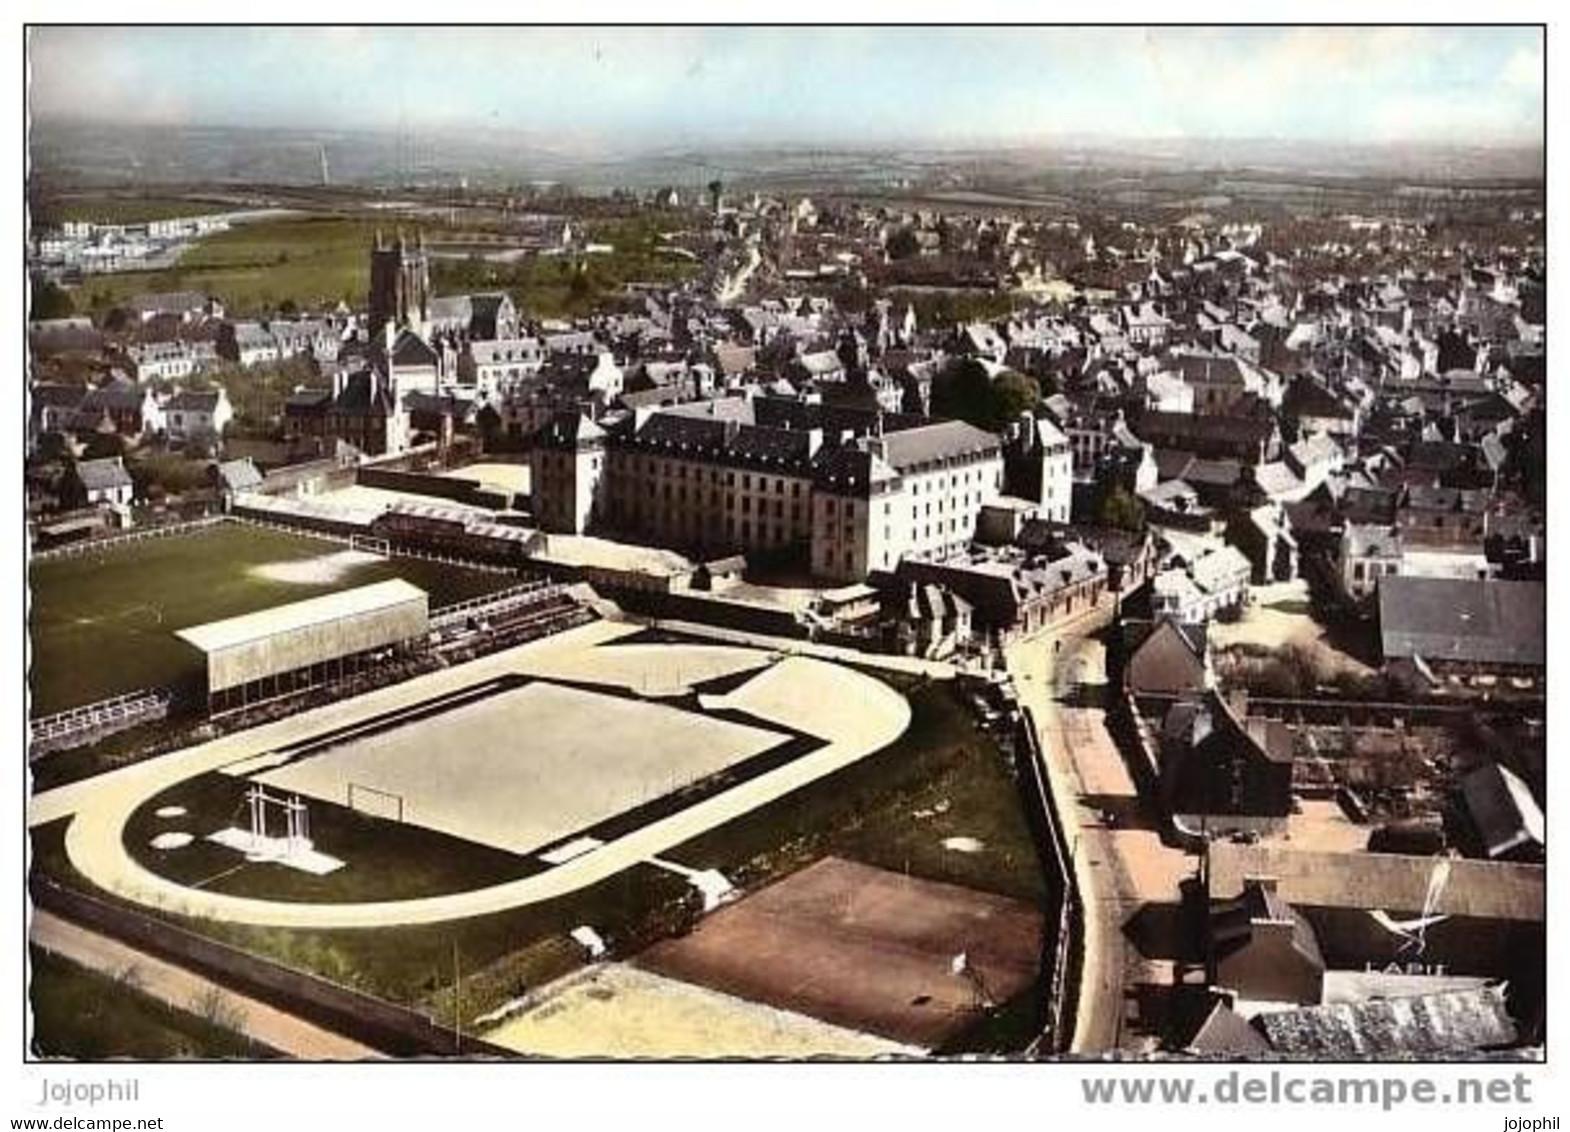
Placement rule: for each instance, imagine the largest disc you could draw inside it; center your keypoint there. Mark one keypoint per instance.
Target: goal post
(371, 545)
(375, 802)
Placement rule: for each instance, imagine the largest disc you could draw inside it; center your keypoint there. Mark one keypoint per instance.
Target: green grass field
(103, 623)
(311, 261)
(122, 209)
(314, 261)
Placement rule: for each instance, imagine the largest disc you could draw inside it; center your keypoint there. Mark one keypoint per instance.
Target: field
(942, 784)
(122, 209)
(103, 623)
(866, 949)
(83, 1015)
(614, 1010)
(311, 261)
(314, 261)
(522, 769)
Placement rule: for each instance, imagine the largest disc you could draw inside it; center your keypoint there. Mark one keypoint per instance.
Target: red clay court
(864, 948)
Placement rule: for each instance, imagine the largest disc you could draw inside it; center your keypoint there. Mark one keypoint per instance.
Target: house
(1264, 535)
(193, 415)
(1506, 819)
(1217, 765)
(1261, 949)
(1398, 912)
(128, 409)
(928, 620)
(1480, 635)
(1214, 583)
(1166, 657)
(1446, 1024)
(1367, 554)
(185, 305)
(1011, 595)
(248, 344)
(93, 483)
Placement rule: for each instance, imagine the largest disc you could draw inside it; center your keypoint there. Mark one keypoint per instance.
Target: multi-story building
(849, 490)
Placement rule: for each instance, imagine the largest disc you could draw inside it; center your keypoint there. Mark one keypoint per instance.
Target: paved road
(183, 989)
(913, 665)
(854, 713)
(1118, 866)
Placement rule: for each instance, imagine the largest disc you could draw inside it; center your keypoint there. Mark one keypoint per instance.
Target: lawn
(103, 623)
(311, 261)
(383, 860)
(87, 1016)
(122, 209)
(942, 781)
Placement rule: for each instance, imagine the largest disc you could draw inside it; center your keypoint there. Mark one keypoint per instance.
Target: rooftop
(216, 636)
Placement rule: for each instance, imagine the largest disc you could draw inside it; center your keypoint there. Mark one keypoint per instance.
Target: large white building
(851, 490)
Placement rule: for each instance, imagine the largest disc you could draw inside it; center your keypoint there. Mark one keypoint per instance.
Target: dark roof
(1224, 1032)
(1173, 430)
(55, 395)
(1232, 922)
(569, 430)
(1502, 808)
(102, 475)
(932, 445)
(194, 401)
(1464, 620)
(1433, 1024)
(364, 394)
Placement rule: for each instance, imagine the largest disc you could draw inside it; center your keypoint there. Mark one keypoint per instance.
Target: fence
(375, 1022)
(75, 725)
(505, 601)
(113, 542)
(1067, 957)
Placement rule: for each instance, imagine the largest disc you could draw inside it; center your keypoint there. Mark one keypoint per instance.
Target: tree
(902, 244)
(969, 393)
(49, 300)
(1121, 510)
(1014, 393)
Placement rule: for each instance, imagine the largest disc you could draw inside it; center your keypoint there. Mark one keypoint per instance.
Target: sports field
(867, 949)
(525, 768)
(613, 1010)
(103, 623)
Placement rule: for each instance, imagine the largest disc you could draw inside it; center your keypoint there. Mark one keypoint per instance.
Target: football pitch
(102, 623)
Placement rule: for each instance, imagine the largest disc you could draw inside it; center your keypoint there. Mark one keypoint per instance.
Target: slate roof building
(1506, 819)
(1438, 1025)
(1217, 763)
(1479, 635)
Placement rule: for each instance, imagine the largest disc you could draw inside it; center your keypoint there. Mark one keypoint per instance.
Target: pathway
(186, 990)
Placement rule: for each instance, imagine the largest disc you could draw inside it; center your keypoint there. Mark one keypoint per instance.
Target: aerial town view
(710, 563)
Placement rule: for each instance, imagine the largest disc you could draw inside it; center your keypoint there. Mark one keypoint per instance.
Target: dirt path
(183, 990)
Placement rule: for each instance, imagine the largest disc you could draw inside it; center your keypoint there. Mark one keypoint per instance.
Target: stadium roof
(216, 636)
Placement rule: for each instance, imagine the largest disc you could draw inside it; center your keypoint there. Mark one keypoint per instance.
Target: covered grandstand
(289, 648)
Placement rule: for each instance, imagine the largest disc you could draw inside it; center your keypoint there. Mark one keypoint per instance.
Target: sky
(650, 86)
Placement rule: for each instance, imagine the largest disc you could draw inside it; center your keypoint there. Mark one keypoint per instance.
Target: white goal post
(377, 803)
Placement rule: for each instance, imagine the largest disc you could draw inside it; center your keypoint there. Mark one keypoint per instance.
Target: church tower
(400, 286)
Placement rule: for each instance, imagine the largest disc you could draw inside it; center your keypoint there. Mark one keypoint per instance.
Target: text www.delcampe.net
(1238, 1087)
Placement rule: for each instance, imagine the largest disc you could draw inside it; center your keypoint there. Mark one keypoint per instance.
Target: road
(185, 990)
(1119, 863)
